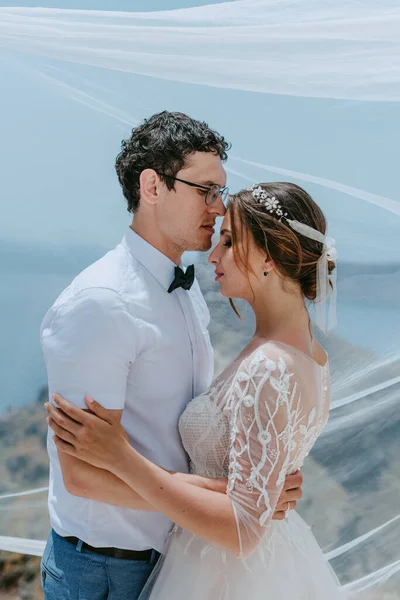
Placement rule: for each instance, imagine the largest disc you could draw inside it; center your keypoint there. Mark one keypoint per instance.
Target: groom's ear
(150, 185)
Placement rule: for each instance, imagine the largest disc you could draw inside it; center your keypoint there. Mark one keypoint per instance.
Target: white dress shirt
(116, 334)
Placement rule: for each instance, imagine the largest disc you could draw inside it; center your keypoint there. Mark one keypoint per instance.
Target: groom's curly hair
(162, 143)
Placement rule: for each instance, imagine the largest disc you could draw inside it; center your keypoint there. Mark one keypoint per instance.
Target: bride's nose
(213, 258)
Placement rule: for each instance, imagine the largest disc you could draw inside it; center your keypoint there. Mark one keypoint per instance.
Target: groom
(131, 331)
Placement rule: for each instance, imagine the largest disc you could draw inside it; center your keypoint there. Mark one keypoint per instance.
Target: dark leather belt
(143, 555)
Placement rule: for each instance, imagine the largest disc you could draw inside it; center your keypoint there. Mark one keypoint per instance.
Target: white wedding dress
(256, 423)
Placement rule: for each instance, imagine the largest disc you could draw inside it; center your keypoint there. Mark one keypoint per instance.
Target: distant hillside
(20, 577)
(24, 465)
(34, 275)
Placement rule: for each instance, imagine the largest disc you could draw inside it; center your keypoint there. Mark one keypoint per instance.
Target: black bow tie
(184, 280)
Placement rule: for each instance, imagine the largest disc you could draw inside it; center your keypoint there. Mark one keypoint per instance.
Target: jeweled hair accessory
(324, 288)
(271, 204)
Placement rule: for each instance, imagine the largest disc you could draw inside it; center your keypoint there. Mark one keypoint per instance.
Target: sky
(124, 5)
(62, 125)
(61, 205)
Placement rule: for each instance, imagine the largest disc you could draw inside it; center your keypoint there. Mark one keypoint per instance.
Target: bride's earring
(265, 272)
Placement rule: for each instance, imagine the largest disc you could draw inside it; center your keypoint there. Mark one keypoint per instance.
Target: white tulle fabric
(256, 424)
(323, 49)
(74, 83)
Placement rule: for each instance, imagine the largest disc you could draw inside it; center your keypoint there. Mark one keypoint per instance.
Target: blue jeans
(72, 573)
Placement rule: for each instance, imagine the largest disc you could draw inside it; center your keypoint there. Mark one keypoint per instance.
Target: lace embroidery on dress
(255, 425)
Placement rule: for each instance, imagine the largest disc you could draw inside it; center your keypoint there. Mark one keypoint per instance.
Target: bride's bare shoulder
(275, 349)
(271, 350)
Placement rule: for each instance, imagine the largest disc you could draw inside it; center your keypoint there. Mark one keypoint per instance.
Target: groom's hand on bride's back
(290, 495)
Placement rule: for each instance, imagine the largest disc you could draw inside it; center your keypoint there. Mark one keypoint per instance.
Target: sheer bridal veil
(307, 92)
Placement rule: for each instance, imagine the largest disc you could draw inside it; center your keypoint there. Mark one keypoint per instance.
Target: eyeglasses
(212, 194)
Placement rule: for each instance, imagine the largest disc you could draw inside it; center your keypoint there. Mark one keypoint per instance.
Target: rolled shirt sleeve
(89, 343)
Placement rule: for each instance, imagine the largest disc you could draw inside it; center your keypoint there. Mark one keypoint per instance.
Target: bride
(255, 424)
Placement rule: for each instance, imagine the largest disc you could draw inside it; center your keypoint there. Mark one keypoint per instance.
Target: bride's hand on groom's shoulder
(95, 436)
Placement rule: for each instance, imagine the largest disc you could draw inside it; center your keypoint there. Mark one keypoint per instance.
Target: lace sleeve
(265, 429)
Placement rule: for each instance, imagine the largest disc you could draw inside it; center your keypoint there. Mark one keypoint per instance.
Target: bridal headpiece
(326, 284)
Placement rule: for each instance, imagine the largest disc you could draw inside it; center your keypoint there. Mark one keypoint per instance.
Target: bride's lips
(218, 275)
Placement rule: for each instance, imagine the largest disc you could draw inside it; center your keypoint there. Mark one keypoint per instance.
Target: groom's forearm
(101, 485)
(83, 480)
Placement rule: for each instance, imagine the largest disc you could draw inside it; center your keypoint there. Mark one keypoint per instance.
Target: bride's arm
(235, 521)
(98, 484)
(268, 427)
(87, 481)
(205, 512)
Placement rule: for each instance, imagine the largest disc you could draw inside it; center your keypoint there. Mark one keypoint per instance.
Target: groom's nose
(217, 208)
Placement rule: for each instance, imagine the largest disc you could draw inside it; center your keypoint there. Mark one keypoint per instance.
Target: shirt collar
(159, 265)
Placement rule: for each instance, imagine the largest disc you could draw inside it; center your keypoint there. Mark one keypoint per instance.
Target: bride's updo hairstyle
(295, 256)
